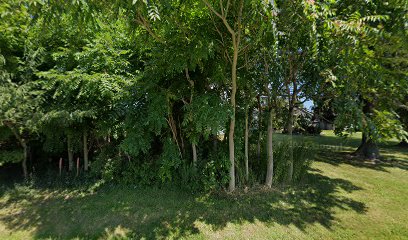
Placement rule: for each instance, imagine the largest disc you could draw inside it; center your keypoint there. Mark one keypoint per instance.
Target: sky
(308, 104)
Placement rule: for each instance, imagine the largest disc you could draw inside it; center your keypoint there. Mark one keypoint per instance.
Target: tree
(19, 96)
(365, 93)
(235, 30)
(85, 91)
(298, 48)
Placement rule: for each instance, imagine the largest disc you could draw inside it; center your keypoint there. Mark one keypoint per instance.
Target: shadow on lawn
(160, 213)
(387, 160)
(335, 150)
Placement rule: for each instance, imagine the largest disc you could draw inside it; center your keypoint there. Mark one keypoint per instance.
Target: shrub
(302, 158)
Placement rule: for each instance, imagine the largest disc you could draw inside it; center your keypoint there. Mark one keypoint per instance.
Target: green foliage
(10, 156)
(137, 173)
(134, 84)
(107, 166)
(206, 115)
(215, 172)
(169, 161)
(303, 154)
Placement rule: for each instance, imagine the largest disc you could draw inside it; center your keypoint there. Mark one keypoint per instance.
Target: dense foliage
(191, 92)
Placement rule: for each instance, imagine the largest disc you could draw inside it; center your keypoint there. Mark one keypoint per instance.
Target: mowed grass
(341, 198)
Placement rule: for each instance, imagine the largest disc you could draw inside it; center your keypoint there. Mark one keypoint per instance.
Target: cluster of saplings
(191, 92)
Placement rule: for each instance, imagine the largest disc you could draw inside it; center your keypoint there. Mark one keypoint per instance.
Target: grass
(342, 198)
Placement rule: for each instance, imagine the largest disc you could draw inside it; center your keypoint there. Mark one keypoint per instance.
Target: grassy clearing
(342, 198)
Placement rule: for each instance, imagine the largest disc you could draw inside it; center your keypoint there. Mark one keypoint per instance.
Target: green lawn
(343, 198)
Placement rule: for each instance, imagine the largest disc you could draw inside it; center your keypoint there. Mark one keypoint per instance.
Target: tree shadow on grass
(160, 213)
(335, 150)
(388, 159)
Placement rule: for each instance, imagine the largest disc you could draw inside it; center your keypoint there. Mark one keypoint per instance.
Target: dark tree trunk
(289, 126)
(86, 151)
(24, 162)
(403, 143)
(368, 149)
(23, 145)
(269, 169)
(215, 143)
(246, 147)
(70, 153)
(258, 149)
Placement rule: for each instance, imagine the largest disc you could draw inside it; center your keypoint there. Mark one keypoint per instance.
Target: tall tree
(235, 30)
(19, 97)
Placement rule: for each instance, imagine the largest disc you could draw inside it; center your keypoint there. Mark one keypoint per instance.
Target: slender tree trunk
(292, 104)
(246, 146)
(290, 133)
(70, 153)
(289, 126)
(236, 38)
(194, 148)
(86, 151)
(231, 154)
(258, 150)
(293, 70)
(23, 145)
(24, 162)
(269, 169)
(232, 123)
(172, 125)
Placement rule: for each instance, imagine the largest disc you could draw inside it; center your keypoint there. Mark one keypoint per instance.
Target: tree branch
(145, 24)
(222, 17)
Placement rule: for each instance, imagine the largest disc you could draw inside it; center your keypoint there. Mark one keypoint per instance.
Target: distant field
(343, 198)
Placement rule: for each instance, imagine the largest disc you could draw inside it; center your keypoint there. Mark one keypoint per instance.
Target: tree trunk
(23, 145)
(232, 123)
(368, 149)
(269, 170)
(258, 149)
(86, 151)
(403, 143)
(289, 126)
(70, 153)
(292, 103)
(246, 146)
(363, 141)
(236, 38)
(24, 162)
(290, 133)
(194, 148)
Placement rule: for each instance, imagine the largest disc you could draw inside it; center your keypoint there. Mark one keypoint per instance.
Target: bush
(107, 165)
(303, 155)
(211, 172)
(140, 173)
(215, 172)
